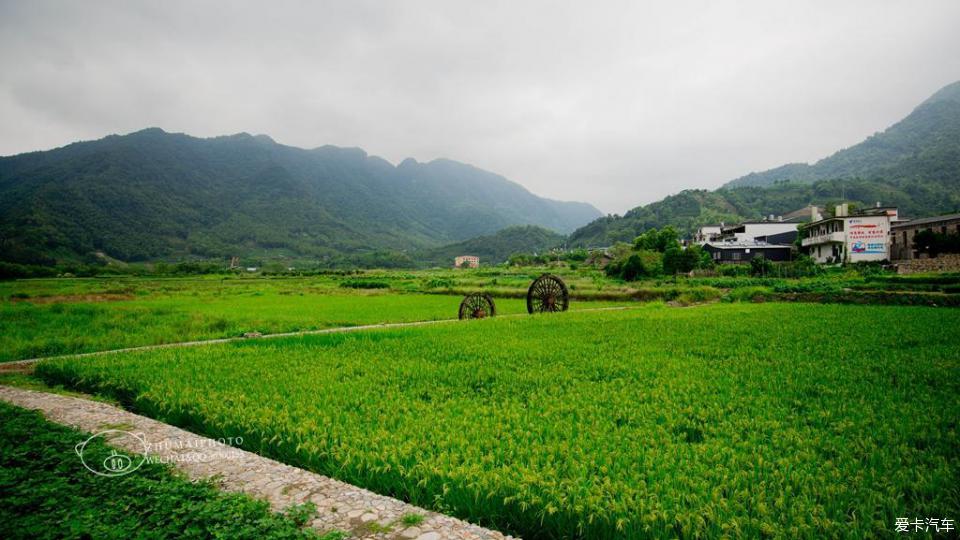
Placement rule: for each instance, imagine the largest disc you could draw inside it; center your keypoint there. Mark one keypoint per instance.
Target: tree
(673, 261)
(933, 244)
(760, 266)
(655, 240)
(633, 268)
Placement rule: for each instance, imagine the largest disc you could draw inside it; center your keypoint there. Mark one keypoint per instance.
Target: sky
(612, 103)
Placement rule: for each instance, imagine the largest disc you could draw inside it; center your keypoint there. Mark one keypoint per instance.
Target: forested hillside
(154, 195)
(924, 146)
(495, 248)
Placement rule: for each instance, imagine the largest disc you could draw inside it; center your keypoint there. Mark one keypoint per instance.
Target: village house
(707, 233)
(466, 261)
(850, 238)
(733, 251)
(901, 234)
(753, 230)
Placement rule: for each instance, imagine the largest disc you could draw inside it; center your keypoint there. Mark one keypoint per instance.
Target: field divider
(27, 365)
(339, 506)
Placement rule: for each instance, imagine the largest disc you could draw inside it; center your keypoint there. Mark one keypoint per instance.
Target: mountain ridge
(152, 195)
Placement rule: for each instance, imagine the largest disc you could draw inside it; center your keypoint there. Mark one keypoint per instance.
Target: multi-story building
(850, 238)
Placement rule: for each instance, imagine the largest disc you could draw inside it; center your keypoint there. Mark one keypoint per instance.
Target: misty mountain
(155, 195)
(915, 164)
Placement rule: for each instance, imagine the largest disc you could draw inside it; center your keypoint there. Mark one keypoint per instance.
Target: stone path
(27, 365)
(340, 506)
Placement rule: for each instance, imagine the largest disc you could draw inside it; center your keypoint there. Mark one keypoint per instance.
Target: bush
(760, 266)
(633, 268)
(733, 270)
(364, 284)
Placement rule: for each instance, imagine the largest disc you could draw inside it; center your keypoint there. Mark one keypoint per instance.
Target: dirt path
(27, 365)
(340, 506)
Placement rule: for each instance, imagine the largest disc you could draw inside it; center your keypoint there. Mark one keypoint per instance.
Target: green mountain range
(914, 164)
(154, 195)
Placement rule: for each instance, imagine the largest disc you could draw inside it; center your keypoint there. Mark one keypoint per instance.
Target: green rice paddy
(737, 420)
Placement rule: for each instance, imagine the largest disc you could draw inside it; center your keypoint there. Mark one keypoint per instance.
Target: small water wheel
(546, 294)
(477, 306)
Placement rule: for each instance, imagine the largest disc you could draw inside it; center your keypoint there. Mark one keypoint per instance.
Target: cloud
(616, 104)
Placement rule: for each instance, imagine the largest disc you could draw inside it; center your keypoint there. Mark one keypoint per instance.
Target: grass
(49, 317)
(73, 316)
(411, 519)
(750, 420)
(46, 493)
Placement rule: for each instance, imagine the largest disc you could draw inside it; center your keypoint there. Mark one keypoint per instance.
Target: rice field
(737, 420)
(40, 318)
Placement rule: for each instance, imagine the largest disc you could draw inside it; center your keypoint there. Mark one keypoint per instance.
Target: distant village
(872, 234)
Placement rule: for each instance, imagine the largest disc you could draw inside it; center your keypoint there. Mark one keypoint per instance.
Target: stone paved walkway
(340, 506)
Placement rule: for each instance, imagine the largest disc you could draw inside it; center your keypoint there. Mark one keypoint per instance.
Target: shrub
(364, 284)
(760, 266)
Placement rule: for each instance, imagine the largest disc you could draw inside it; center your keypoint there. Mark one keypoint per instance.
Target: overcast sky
(613, 103)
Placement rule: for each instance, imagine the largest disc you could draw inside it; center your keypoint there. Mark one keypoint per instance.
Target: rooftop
(866, 212)
(924, 221)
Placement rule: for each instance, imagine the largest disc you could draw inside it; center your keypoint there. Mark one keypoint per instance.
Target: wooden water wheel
(547, 293)
(477, 306)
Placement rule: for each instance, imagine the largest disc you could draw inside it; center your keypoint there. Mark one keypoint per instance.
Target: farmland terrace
(742, 416)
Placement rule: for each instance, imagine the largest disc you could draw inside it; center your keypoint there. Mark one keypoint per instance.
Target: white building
(844, 238)
(749, 231)
(707, 233)
(466, 261)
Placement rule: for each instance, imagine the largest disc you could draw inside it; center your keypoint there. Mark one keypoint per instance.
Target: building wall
(868, 238)
(901, 236)
(467, 261)
(826, 252)
(743, 255)
(850, 239)
(706, 233)
(752, 230)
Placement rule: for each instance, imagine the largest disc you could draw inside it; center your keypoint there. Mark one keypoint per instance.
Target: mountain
(495, 248)
(915, 164)
(925, 145)
(156, 195)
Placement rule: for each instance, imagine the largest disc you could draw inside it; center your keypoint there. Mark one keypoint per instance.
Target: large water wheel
(477, 305)
(547, 293)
